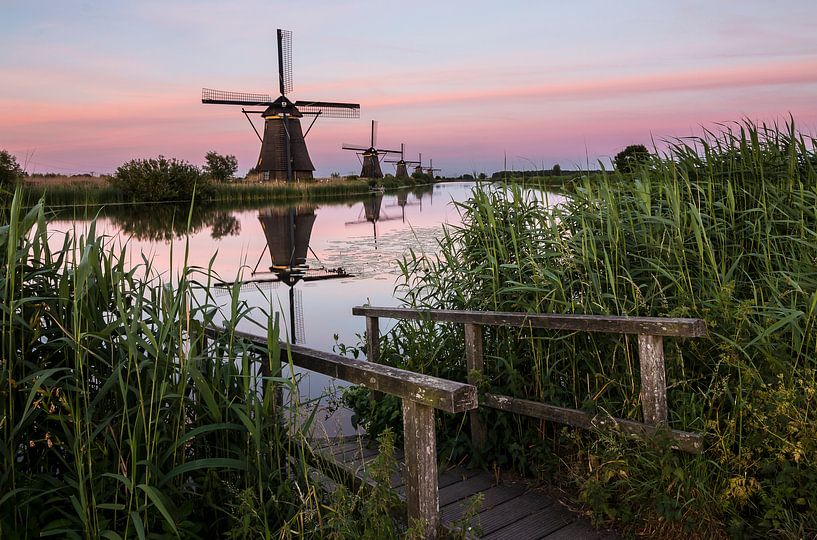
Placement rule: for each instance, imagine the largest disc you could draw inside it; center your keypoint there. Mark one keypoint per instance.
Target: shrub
(722, 228)
(220, 168)
(631, 157)
(159, 179)
(557, 170)
(10, 170)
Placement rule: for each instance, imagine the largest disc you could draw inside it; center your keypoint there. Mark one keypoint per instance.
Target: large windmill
(401, 164)
(371, 155)
(283, 148)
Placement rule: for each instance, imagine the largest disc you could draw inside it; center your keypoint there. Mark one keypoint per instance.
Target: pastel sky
(86, 86)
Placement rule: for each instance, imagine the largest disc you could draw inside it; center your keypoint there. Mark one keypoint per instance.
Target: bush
(10, 171)
(721, 229)
(159, 179)
(220, 168)
(631, 157)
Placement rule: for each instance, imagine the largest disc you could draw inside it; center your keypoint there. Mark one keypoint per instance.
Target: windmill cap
(280, 106)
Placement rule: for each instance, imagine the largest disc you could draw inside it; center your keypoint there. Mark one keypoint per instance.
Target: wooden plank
(421, 466)
(511, 511)
(682, 440)
(653, 379)
(536, 525)
(491, 497)
(659, 326)
(373, 339)
(449, 396)
(580, 530)
(466, 488)
(474, 362)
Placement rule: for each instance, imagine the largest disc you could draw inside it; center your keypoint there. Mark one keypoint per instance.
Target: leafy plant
(629, 159)
(10, 170)
(159, 179)
(220, 168)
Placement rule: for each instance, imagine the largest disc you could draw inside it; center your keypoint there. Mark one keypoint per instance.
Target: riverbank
(93, 190)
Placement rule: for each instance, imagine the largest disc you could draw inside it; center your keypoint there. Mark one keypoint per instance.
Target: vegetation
(629, 159)
(721, 228)
(220, 168)
(10, 171)
(159, 179)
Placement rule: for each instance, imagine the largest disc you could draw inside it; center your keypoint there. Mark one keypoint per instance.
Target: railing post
(420, 448)
(474, 362)
(653, 379)
(373, 339)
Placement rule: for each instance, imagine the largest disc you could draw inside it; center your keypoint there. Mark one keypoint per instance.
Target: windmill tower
(401, 164)
(430, 170)
(371, 155)
(418, 169)
(284, 155)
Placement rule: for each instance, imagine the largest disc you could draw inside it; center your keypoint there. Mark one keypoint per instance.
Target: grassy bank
(722, 228)
(68, 191)
(118, 420)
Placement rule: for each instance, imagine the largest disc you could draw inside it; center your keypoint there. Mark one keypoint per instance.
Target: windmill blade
(328, 109)
(220, 97)
(391, 161)
(402, 150)
(359, 148)
(412, 162)
(384, 151)
(285, 61)
(374, 133)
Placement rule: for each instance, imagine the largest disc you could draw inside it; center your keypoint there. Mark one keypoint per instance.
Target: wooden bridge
(510, 509)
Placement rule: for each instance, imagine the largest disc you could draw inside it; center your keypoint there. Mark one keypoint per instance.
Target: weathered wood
(449, 396)
(474, 363)
(536, 525)
(653, 379)
(373, 339)
(507, 513)
(682, 440)
(659, 326)
(423, 497)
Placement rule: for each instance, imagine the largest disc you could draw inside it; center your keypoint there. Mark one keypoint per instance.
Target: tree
(159, 179)
(628, 159)
(557, 170)
(10, 170)
(482, 176)
(220, 168)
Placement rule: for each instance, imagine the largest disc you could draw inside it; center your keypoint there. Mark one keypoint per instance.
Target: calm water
(364, 236)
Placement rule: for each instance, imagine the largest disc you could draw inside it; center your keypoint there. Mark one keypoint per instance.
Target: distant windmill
(371, 155)
(418, 169)
(372, 212)
(430, 170)
(283, 148)
(401, 164)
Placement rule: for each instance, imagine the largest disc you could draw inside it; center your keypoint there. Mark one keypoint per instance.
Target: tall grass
(722, 227)
(118, 419)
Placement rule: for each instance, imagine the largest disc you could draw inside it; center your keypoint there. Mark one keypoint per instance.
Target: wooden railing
(421, 395)
(650, 331)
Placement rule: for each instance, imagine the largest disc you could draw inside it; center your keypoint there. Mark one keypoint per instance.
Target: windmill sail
(221, 97)
(328, 109)
(285, 61)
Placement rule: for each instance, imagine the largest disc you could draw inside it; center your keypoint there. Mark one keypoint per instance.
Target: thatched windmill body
(284, 155)
(371, 155)
(401, 165)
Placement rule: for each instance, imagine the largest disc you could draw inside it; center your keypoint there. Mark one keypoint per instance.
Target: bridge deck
(510, 508)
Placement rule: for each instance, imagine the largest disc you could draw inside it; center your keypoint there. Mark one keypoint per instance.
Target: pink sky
(87, 88)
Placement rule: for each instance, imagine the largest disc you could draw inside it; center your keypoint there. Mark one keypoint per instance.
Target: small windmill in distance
(401, 164)
(430, 170)
(371, 155)
(283, 149)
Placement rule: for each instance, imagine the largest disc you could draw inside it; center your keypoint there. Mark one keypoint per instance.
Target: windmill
(283, 149)
(418, 169)
(401, 164)
(372, 213)
(430, 170)
(371, 155)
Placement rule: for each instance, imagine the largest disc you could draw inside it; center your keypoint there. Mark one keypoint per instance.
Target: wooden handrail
(650, 332)
(655, 326)
(421, 394)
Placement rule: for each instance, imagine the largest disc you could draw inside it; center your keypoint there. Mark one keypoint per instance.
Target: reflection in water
(372, 212)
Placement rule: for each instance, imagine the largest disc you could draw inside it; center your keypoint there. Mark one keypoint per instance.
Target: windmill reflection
(372, 213)
(288, 232)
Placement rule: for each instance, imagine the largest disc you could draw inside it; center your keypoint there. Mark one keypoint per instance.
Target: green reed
(119, 418)
(722, 227)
